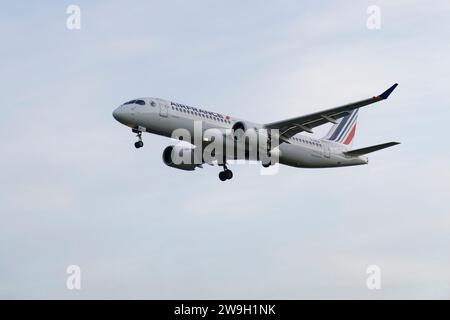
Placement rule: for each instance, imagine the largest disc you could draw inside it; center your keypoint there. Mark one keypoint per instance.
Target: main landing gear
(226, 174)
(138, 144)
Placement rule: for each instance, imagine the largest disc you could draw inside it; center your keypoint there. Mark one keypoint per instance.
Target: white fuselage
(163, 117)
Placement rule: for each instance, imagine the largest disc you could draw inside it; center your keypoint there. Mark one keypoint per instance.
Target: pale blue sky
(75, 191)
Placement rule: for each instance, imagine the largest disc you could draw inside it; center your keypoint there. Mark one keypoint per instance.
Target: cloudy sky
(74, 191)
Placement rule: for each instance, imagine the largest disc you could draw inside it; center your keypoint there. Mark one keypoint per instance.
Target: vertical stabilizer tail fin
(344, 131)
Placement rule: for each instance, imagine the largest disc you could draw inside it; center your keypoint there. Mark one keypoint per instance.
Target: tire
(222, 176)
(228, 174)
(139, 144)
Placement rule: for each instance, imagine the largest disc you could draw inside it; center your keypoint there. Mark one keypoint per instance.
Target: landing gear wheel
(139, 144)
(222, 176)
(228, 174)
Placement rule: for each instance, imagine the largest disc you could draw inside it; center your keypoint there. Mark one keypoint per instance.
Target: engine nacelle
(239, 129)
(179, 157)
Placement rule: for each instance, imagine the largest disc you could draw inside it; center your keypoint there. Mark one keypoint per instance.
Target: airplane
(287, 145)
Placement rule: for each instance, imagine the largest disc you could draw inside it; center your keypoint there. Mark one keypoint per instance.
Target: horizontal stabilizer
(360, 152)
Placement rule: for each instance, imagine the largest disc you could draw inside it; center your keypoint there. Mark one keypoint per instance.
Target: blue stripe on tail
(339, 127)
(338, 130)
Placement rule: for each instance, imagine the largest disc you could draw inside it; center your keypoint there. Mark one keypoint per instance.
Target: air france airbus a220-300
(276, 142)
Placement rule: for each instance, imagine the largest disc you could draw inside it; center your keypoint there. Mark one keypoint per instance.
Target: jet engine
(179, 157)
(239, 129)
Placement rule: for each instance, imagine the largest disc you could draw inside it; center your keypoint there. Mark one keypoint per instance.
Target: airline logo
(345, 130)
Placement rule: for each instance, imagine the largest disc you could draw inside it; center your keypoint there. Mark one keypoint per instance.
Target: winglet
(386, 94)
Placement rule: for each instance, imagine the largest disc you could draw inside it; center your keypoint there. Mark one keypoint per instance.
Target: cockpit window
(153, 104)
(140, 102)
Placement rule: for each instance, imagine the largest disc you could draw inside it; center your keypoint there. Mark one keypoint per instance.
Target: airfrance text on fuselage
(214, 114)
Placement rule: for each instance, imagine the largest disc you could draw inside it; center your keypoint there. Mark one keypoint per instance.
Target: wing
(290, 127)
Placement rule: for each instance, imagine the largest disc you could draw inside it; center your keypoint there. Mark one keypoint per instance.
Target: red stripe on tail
(350, 135)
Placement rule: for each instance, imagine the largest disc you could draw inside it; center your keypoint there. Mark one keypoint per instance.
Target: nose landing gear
(226, 174)
(138, 144)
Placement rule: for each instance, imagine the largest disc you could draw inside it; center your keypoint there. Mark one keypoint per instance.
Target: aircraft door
(163, 109)
(326, 150)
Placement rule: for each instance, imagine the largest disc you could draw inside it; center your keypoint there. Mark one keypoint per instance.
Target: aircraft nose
(124, 114)
(117, 114)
